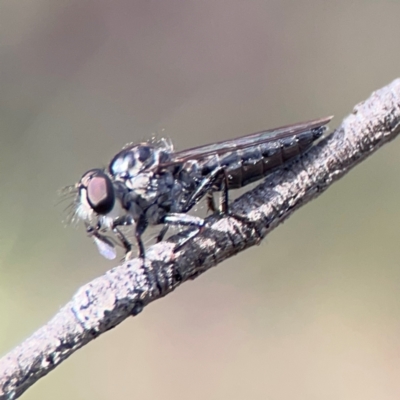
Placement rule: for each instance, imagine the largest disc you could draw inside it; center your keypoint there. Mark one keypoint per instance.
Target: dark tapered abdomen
(247, 165)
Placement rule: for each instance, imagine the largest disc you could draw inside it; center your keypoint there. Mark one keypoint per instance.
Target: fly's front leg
(126, 244)
(205, 188)
(105, 244)
(212, 179)
(140, 226)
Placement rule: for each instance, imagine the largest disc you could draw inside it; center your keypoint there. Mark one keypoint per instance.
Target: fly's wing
(243, 142)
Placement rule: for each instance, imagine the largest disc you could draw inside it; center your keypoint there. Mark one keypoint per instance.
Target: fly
(151, 184)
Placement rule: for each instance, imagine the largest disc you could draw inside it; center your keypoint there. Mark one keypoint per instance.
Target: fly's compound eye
(99, 191)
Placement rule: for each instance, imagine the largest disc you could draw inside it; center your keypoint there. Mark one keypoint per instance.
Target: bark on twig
(123, 291)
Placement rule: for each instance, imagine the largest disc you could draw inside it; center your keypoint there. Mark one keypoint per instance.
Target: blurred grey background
(314, 311)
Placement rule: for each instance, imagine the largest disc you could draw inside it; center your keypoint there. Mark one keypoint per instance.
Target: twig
(125, 290)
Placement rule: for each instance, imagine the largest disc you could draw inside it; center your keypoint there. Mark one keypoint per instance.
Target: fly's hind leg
(180, 218)
(204, 188)
(185, 220)
(162, 233)
(224, 200)
(225, 210)
(210, 202)
(164, 229)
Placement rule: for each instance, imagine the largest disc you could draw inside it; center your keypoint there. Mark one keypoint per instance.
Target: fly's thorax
(148, 194)
(148, 189)
(136, 159)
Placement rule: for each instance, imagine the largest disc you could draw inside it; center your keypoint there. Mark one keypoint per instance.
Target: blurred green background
(314, 311)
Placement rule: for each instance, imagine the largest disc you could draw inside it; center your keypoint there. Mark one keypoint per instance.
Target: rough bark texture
(125, 290)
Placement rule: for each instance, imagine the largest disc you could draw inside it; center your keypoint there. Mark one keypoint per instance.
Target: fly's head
(97, 201)
(96, 195)
(90, 200)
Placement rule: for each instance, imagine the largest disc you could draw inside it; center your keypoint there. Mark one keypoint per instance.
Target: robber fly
(151, 184)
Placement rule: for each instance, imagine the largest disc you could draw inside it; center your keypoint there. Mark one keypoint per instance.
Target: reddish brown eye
(99, 191)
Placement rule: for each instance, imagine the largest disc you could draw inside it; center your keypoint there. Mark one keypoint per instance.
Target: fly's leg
(210, 205)
(91, 230)
(105, 244)
(203, 189)
(127, 245)
(94, 231)
(185, 220)
(206, 188)
(224, 205)
(210, 202)
(161, 234)
(208, 183)
(224, 201)
(224, 208)
(140, 227)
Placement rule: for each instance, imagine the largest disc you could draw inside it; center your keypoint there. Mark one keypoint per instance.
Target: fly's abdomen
(247, 165)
